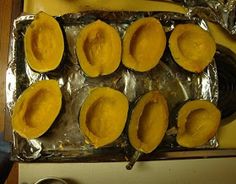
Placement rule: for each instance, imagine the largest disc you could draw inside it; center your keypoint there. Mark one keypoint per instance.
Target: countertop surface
(197, 171)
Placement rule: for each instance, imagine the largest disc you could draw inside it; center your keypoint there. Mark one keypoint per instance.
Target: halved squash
(98, 48)
(103, 116)
(149, 122)
(144, 44)
(192, 47)
(36, 109)
(43, 43)
(197, 122)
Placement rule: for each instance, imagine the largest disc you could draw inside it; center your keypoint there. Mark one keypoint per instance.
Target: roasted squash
(103, 116)
(143, 44)
(192, 47)
(43, 43)
(98, 49)
(197, 122)
(149, 122)
(36, 109)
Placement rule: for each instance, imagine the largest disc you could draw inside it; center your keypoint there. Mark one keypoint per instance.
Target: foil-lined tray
(219, 11)
(64, 141)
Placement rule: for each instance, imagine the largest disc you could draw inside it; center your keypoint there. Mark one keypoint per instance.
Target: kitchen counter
(204, 171)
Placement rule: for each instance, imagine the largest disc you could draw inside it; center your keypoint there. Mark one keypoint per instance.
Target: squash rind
(192, 47)
(43, 43)
(103, 116)
(149, 122)
(143, 44)
(98, 49)
(197, 123)
(36, 109)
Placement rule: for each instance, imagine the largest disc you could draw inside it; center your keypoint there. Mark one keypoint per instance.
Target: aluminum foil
(220, 11)
(64, 141)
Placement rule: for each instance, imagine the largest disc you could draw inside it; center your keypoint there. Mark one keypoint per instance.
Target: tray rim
(188, 154)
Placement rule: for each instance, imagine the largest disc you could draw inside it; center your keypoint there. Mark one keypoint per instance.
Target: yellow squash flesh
(103, 116)
(197, 122)
(43, 43)
(98, 48)
(149, 122)
(144, 44)
(36, 109)
(192, 47)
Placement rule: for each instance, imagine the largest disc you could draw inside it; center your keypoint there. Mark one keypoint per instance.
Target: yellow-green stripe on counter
(59, 7)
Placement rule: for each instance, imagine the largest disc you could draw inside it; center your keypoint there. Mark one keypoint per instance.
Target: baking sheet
(64, 141)
(220, 11)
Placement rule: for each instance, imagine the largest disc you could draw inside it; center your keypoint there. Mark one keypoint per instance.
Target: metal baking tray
(64, 141)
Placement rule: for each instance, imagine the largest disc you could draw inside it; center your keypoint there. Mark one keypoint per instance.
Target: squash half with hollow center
(36, 109)
(98, 48)
(144, 44)
(103, 116)
(149, 122)
(197, 123)
(192, 47)
(43, 43)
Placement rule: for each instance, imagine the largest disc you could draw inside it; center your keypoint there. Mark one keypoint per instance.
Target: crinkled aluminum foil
(64, 141)
(220, 11)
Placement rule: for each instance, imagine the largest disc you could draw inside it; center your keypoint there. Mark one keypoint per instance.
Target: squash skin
(43, 43)
(149, 122)
(98, 49)
(103, 116)
(197, 123)
(36, 109)
(192, 47)
(143, 44)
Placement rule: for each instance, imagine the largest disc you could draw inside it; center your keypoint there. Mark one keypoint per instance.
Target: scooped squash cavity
(103, 116)
(197, 123)
(98, 49)
(43, 43)
(36, 109)
(192, 47)
(143, 44)
(149, 122)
